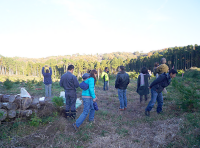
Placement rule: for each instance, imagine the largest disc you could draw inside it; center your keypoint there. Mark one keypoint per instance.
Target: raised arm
(50, 70)
(43, 71)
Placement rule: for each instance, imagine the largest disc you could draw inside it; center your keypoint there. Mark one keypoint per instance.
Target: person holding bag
(88, 97)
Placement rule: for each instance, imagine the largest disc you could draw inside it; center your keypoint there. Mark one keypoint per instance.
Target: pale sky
(42, 28)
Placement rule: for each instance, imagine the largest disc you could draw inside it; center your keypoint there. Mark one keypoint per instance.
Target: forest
(181, 58)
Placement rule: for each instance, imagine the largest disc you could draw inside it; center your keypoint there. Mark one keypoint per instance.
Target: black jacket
(143, 90)
(161, 82)
(122, 80)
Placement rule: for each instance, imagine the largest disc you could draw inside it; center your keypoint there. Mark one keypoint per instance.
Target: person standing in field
(121, 84)
(143, 84)
(157, 87)
(156, 64)
(163, 68)
(105, 77)
(69, 82)
(47, 80)
(88, 97)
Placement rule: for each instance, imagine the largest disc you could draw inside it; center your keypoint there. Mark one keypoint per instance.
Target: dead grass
(112, 128)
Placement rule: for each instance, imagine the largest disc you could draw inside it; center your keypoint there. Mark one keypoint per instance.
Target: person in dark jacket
(157, 87)
(47, 81)
(143, 84)
(121, 84)
(69, 82)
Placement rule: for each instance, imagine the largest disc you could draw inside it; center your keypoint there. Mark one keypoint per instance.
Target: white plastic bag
(24, 93)
(42, 99)
(62, 94)
(78, 102)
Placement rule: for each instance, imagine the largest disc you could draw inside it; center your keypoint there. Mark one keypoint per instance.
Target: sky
(43, 28)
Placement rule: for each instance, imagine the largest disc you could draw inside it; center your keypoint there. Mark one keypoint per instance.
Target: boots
(73, 114)
(67, 115)
(140, 99)
(146, 98)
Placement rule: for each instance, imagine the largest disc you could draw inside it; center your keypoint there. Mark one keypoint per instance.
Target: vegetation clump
(58, 101)
(8, 84)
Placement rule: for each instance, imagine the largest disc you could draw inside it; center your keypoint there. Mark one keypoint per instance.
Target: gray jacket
(69, 82)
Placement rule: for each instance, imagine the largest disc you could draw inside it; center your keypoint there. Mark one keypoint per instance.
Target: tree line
(179, 57)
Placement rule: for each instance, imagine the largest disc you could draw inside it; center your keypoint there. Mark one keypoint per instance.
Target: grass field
(175, 127)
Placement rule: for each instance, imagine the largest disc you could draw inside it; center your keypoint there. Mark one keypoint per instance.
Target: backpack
(84, 85)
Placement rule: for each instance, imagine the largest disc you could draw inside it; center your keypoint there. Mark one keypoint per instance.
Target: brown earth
(112, 128)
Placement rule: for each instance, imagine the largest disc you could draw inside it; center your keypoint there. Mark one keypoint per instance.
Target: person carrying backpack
(157, 87)
(88, 97)
(105, 77)
(143, 84)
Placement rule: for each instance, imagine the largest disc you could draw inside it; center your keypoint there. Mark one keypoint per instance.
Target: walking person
(143, 84)
(121, 84)
(105, 77)
(157, 87)
(88, 97)
(69, 82)
(47, 80)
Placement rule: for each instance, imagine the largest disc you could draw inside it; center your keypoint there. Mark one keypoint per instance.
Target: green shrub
(29, 84)
(133, 75)
(58, 101)
(192, 74)
(112, 77)
(35, 121)
(189, 98)
(8, 84)
(17, 81)
(39, 83)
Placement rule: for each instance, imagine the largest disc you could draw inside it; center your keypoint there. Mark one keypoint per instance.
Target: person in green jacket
(105, 77)
(88, 97)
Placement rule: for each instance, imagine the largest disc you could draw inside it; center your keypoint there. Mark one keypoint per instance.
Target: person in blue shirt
(47, 81)
(88, 97)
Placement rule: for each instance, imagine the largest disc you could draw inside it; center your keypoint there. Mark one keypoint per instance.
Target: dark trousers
(141, 96)
(70, 101)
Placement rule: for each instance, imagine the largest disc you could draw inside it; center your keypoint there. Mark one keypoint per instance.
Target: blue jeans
(105, 86)
(155, 96)
(48, 90)
(122, 98)
(88, 107)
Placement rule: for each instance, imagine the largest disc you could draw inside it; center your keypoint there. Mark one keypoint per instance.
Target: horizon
(45, 28)
(141, 52)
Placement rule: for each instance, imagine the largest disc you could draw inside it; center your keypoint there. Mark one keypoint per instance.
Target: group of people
(163, 79)
(70, 83)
